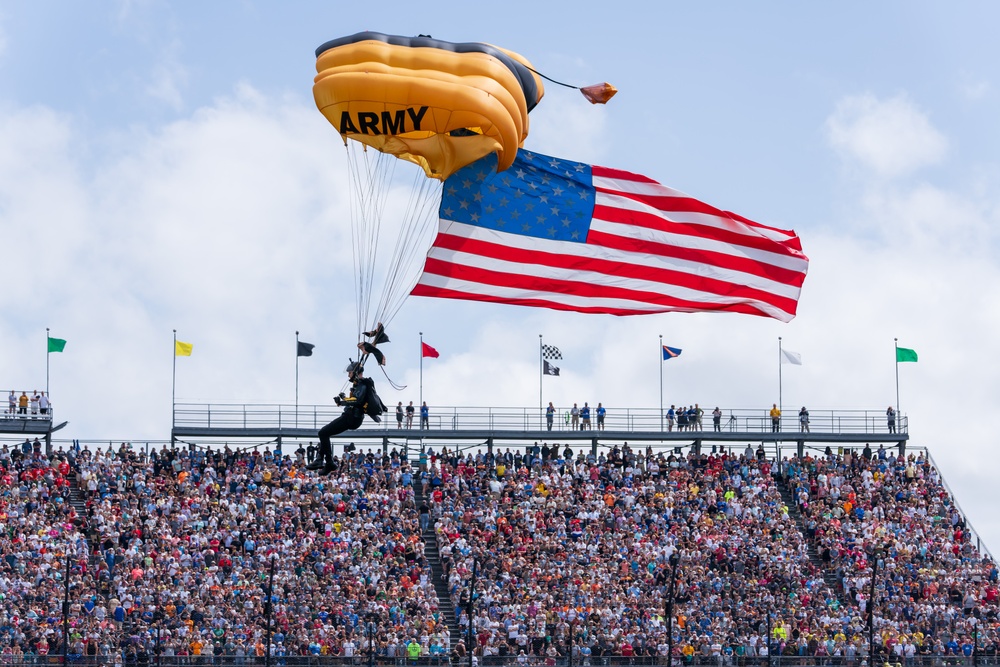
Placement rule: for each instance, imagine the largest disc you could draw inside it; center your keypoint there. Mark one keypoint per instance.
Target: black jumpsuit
(352, 417)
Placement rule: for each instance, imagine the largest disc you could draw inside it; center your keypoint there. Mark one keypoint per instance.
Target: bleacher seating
(570, 552)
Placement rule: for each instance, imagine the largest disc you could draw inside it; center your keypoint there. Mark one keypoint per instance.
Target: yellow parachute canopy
(441, 105)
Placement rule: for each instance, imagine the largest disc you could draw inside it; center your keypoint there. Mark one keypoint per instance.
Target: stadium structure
(631, 542)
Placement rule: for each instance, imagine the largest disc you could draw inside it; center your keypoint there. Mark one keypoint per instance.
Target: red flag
(428, 351)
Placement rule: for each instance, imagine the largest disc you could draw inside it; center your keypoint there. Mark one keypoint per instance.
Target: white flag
(789, 357)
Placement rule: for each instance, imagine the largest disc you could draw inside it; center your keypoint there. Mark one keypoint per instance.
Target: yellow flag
(182, 349)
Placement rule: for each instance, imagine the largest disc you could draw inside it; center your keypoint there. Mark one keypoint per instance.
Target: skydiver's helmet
(354, 370)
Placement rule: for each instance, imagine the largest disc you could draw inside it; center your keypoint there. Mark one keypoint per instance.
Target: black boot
(324, 455)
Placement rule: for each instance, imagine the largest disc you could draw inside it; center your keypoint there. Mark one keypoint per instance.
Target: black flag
(305, 349)
(549, 369)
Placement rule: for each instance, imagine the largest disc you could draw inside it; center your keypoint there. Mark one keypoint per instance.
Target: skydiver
(361, 401)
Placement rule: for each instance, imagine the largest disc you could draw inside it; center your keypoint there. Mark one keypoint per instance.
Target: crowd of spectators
(571, 552)
(565, 542)
(42, 535)
(876, 511)
(180, 550)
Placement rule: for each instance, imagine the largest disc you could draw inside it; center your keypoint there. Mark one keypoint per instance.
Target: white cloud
(974, 88)
(565, 124)
(168, 77)
(232, 226)
(889, 137)
(931, 218)
(166, 82)
(227, 226)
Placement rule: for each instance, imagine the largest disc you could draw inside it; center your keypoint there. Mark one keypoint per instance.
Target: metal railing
(980, 546)
(7, 416)
(362, 659)
(257, 416)
(9, 412)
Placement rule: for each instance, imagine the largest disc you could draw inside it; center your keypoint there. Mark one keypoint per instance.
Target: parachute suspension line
(369, 225)
(413, 237)
(414, 241)
(370, 172)
(385, 168)
(410, 227)
(397, 387)
(381, 169)
(357, 215)
(365, 217)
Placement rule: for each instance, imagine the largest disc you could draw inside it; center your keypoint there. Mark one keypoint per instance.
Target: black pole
(472, 592)
(66, 612)
(768, 642)
(159, 623)
(267, 617)
(674, 560)
(871, 609)
(572, 632)
(371, 641)
(975, 644)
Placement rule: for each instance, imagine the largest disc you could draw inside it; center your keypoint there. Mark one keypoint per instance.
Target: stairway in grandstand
(437, 571)
(829, 576)
(76, 498)
(78, 502)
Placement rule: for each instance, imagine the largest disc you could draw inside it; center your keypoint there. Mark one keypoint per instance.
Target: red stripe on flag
(573, 288)
(615, 270)
(444, 293)
(707, 257)
(673, 200)
(693, 229)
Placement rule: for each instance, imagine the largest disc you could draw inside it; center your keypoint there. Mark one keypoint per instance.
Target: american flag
(551, 352)
(570, 236)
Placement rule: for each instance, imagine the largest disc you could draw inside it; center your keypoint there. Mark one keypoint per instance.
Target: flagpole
(895, 342)
(781, 405)
(173, 391)
(48, 353)
(296, 379)
(661, 382)
(421, 396)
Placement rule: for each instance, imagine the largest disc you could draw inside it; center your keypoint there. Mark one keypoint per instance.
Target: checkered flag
(551, 352)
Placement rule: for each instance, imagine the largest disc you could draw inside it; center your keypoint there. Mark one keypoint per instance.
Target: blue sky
(162, 166)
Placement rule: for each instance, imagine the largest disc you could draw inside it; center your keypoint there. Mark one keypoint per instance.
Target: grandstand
(561, 548)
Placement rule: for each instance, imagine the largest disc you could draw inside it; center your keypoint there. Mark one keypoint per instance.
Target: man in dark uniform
(362, 400)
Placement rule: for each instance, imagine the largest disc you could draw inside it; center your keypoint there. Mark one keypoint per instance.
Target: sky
(163, 167)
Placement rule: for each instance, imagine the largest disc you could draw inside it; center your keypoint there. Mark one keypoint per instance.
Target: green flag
(56, 344)
(905, 354)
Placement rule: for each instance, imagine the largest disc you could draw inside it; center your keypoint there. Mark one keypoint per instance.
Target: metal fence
(149, 660)
(28, 416)
(255, 415)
